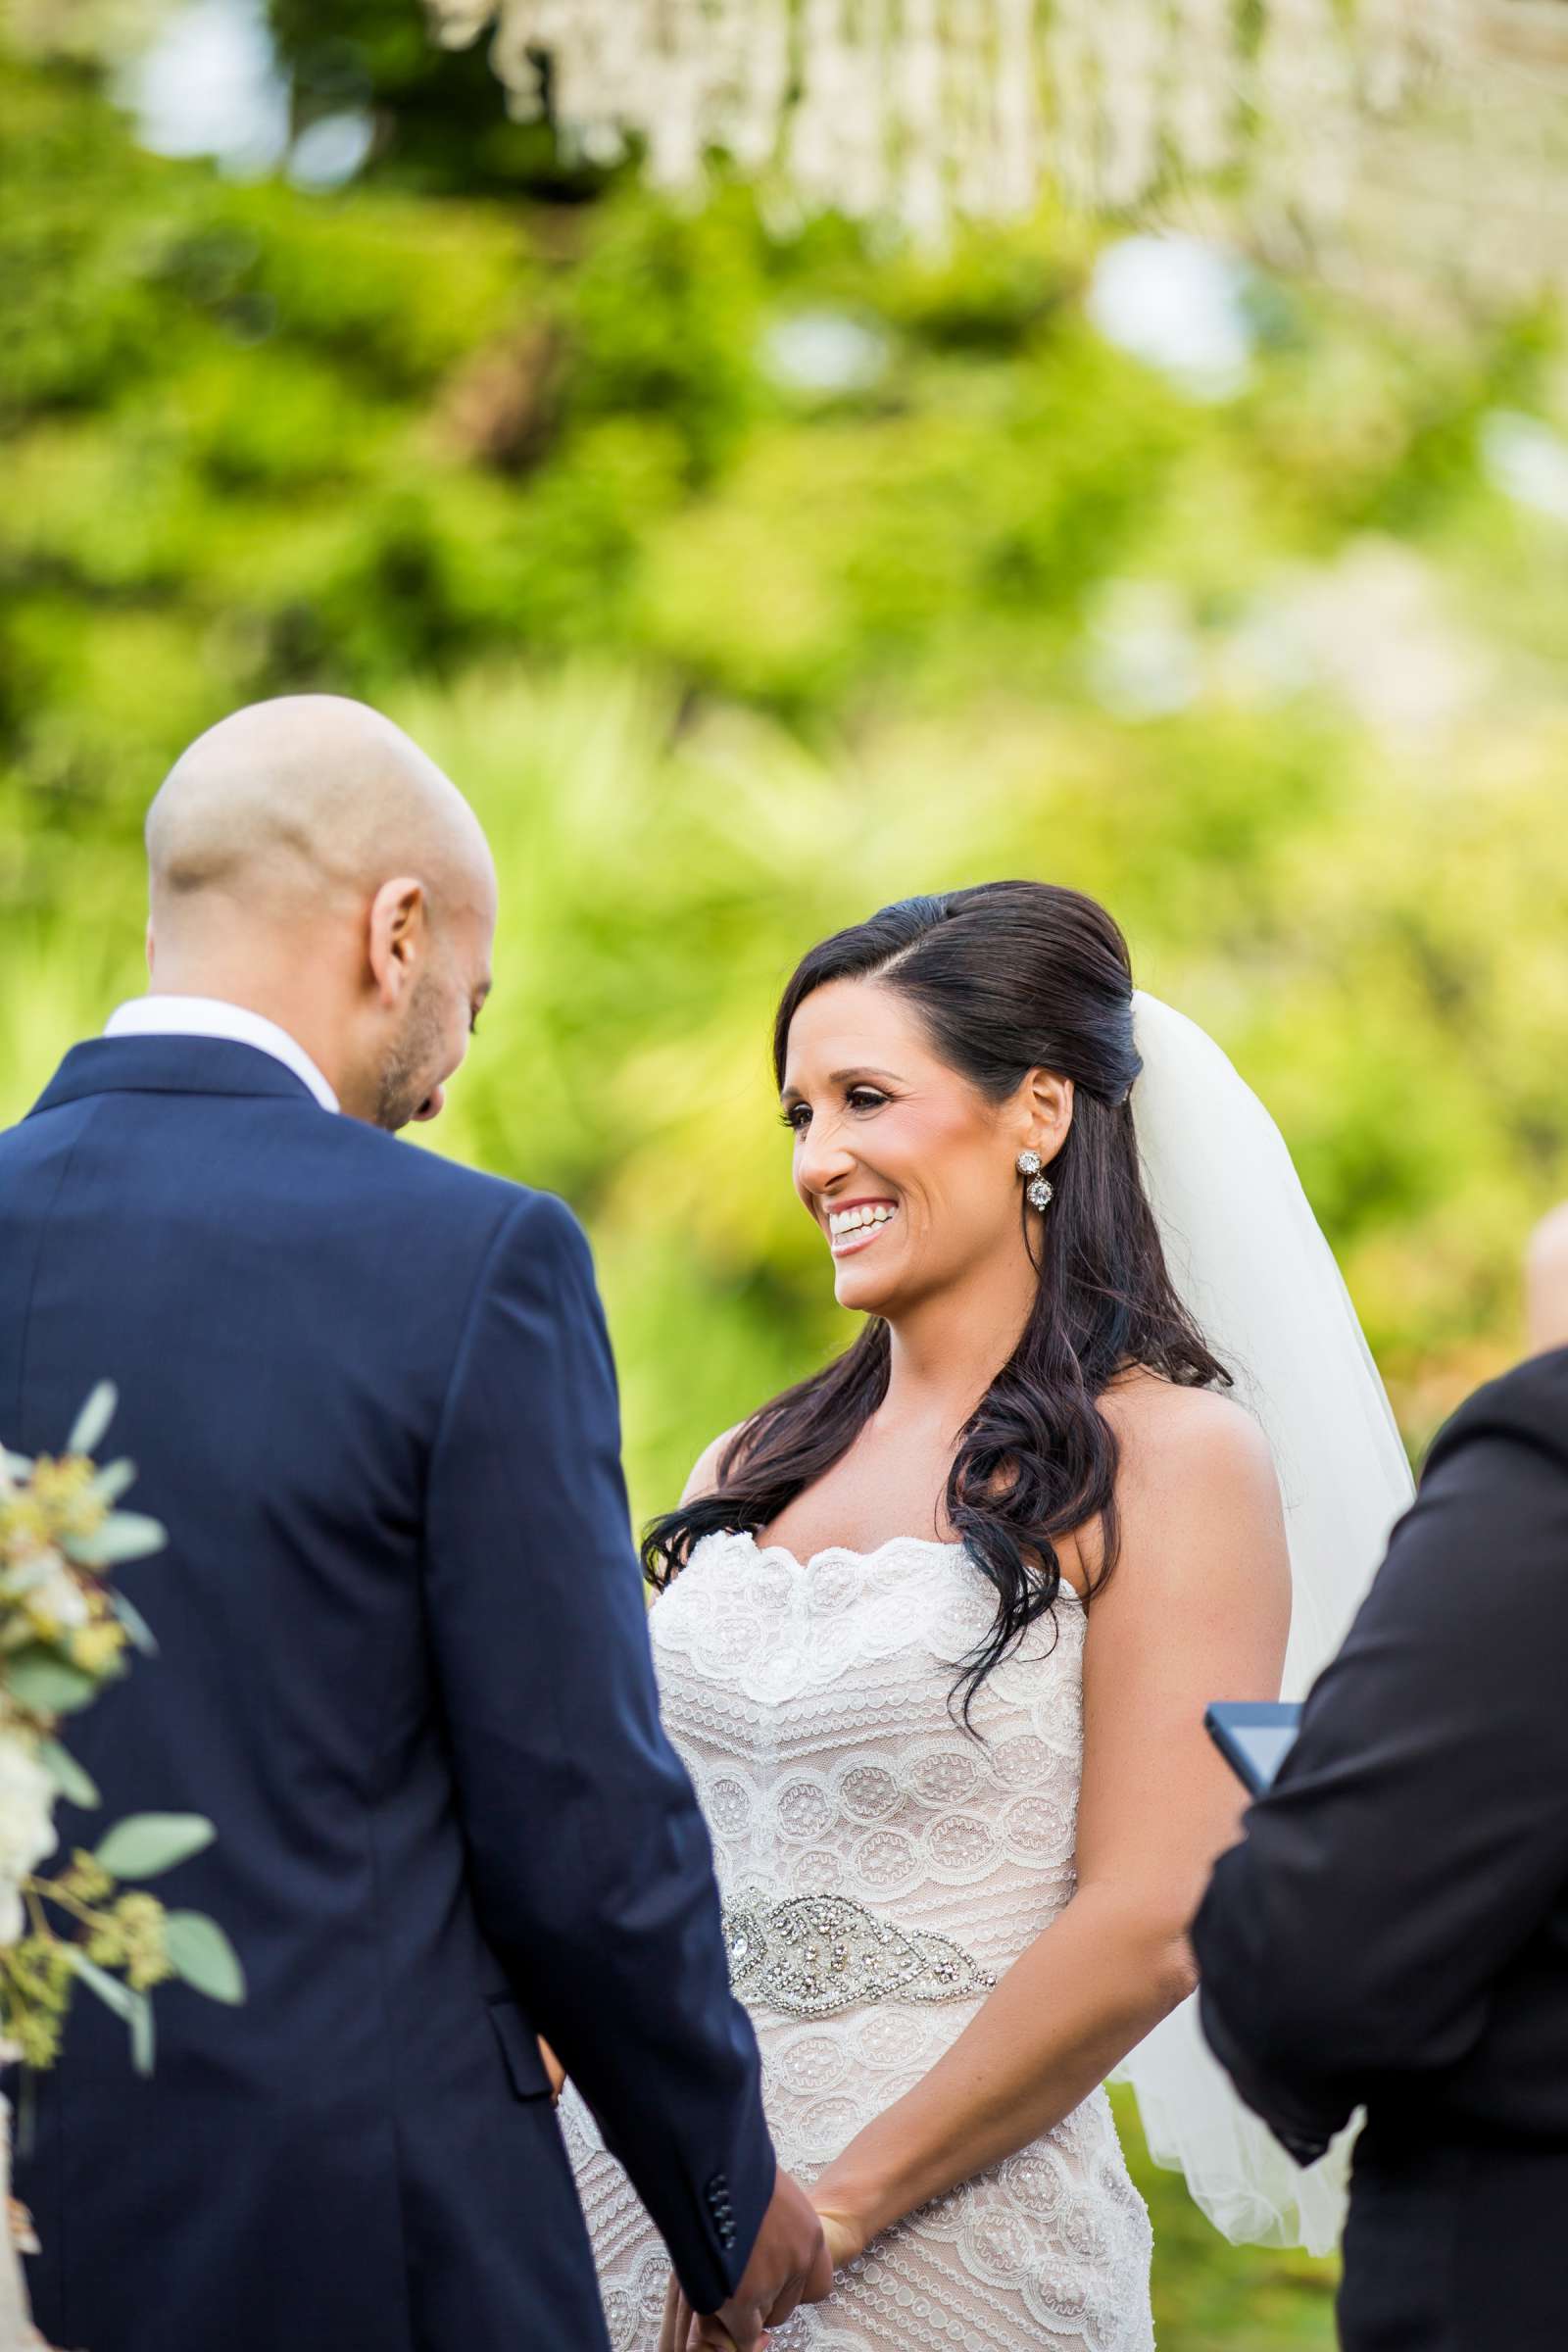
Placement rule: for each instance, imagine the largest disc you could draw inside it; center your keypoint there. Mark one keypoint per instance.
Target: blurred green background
(746, 581)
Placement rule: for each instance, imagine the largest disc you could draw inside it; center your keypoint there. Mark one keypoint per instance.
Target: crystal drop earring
(1039, 1188)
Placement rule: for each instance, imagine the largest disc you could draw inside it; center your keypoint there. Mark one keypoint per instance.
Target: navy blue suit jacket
(404, 1667)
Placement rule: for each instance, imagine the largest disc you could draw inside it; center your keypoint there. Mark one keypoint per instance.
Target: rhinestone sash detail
(811, 1954)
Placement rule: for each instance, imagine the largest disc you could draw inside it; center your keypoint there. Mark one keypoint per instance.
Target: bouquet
(65, 1631)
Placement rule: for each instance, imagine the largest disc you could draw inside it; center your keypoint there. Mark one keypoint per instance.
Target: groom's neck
(295, 997)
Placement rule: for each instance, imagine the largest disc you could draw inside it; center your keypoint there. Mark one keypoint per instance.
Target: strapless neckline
(846, 1551)
(841, 1551)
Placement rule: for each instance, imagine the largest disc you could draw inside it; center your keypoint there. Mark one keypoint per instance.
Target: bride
(937, 1628)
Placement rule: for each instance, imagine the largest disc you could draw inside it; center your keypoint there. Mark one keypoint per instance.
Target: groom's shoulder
(1528, 1405)
(427, 1195)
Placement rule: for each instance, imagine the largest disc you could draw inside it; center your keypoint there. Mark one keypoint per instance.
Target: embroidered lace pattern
(809, 1702)
(814, 1953)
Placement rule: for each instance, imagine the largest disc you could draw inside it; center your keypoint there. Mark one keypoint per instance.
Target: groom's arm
(588, 1858)
(1418, 1833)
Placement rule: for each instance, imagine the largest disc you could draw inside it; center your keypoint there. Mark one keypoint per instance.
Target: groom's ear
(151, 951)
(399, 927)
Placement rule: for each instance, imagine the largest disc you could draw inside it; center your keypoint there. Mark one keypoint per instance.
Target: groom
(402, 1665)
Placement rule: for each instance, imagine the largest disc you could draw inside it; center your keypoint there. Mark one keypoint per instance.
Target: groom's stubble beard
(413, 1069)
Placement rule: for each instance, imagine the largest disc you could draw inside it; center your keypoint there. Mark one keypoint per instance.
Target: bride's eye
(865, 1098)
(794, 1117)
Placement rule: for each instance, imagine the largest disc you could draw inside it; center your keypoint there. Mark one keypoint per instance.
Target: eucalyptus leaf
(202, 1955)
(28, 1574)
(16, 1465)
(93, 1419)
(46, 1684)
(113, 1480)
(145, 1844)
(72, 1782)
(128, 1536)
(110, 1991)
(142, 2041)
(135, 1623)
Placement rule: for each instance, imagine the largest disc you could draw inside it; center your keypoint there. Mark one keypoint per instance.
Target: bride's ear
(1045, 1101)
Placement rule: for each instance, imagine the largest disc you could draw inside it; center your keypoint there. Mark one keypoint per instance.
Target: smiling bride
(937, 1629)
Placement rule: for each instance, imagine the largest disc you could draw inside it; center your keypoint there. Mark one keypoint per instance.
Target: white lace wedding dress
(879, 1869)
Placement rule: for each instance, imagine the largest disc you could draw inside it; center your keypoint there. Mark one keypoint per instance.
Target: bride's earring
(1039, 1188)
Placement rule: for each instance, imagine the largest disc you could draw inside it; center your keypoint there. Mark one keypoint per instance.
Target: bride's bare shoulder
(1165, 1430)
(1198, 1506)
(704, 1477)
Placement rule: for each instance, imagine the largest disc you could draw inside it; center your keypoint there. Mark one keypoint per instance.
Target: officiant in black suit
(1392, 1931)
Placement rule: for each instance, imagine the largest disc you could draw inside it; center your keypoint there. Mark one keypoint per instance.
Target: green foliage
(202, 1956)
(440, 122)
(1211, 2297)
(131, 2007)
(46, 1684)
(725, 651)
(36, 1993)
(64, 1630)
(73, 1782)
(92, 1425)
(145, 1844)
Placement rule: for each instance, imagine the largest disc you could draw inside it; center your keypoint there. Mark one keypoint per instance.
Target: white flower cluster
(920, 110)
(28, 1794)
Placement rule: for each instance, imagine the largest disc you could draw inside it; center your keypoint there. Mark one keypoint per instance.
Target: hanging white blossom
(920, 112)
(930, 106)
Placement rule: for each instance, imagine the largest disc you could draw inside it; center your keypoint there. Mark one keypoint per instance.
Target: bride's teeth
(853, 1220)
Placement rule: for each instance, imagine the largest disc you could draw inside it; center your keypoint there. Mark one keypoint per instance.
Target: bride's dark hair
(1007, 977)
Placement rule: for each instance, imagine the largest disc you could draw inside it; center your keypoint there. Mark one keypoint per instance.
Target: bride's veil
(1246, 1257)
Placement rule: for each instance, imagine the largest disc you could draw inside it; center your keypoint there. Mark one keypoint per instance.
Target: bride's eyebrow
(792, 1093)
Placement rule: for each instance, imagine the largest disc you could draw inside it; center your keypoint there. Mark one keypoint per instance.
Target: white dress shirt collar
(210, 1017)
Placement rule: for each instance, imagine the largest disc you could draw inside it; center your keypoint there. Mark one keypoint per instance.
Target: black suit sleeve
(1418, 1835)
(589, 1857)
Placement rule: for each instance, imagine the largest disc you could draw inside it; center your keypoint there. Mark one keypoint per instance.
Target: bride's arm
(1198, 1609)
(703, 1479)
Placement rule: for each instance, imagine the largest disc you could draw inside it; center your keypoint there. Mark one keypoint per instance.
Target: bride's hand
(554, 2069)
(845, 2237)
(842, 2224)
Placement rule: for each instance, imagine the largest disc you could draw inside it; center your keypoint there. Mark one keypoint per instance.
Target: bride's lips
(847, 1245)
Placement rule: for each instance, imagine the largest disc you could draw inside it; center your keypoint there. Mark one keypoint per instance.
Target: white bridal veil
(1246, 1257)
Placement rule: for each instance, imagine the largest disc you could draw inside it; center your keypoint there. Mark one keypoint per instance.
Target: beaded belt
(814, 1953)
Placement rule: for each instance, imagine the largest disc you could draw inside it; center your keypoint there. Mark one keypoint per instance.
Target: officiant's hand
(1547, 1282)
(788, 2265)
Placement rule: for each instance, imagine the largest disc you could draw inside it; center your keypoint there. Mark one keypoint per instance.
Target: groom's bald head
(291, 802)
(308, 859)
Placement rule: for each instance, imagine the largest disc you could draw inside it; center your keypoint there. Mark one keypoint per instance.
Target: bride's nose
(433, 1105)
(822, 1163)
